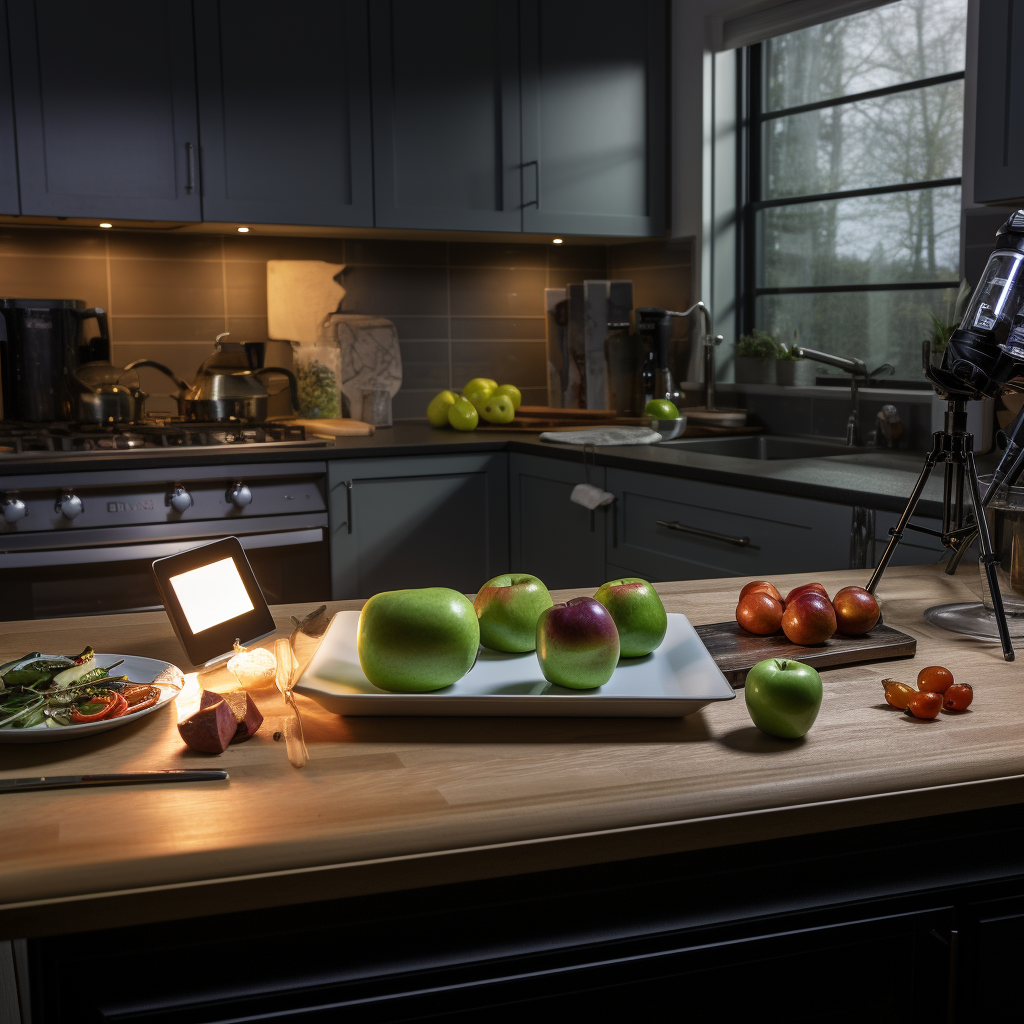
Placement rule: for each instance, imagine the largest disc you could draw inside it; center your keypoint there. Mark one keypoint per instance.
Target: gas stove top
(26, 438)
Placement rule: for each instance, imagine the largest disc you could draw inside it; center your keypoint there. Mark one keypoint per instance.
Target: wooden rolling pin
(336, 428)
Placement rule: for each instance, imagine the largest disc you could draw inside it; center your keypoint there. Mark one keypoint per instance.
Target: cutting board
(735, 651)
(336, 428)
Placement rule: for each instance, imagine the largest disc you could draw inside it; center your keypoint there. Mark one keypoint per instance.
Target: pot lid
(226, 375)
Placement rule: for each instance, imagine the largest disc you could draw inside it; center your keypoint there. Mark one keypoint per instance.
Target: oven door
(291, 566)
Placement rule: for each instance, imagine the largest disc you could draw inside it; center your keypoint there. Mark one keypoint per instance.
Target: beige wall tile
(131, 329)
(161, 287)
(247, 289)
(54, 277)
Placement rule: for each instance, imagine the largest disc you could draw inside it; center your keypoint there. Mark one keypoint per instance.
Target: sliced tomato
(119, 707)
(94, 708)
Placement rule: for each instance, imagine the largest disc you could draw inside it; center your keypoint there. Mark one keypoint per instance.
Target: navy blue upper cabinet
(594, 116)
(284, 112)
(999, 143)
(8, 158)
(105, 106)
(446, 114)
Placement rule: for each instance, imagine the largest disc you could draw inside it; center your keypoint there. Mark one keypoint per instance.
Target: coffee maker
(39, 351)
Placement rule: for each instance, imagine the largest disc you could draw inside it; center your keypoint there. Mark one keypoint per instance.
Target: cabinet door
(666, 528)
(446, 115)
(104, 97)
(991, 948)
(999, 143)
(430, 521)
(552, 537)
(8, 160)
(594, 116)
(289, 143)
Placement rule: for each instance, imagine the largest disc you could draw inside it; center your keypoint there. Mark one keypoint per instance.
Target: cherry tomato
(924, 705)
(934, 679)
(897, 694)
(958, 697)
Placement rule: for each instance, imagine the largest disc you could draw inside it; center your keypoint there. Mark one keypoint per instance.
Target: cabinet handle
(535, 201)
(190, 184)
(348, 503)
(740, 542)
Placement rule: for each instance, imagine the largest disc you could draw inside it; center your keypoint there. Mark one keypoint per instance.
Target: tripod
(954, 447)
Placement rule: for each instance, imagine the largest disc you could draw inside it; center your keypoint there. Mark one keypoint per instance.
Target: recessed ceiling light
(243, 230)
(556, 241)
(105, 224)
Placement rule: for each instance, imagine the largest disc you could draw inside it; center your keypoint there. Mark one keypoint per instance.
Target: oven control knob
(240, 495)
(180, 500)
(68, 505)
(14, 509)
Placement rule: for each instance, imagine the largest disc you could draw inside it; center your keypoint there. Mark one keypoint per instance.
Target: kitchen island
(413, 816)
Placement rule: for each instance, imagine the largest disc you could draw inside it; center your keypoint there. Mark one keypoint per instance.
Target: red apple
(759, 612)
(803, 589)
(760, 586)
(856, 611)
(577, 644)
(809, 618)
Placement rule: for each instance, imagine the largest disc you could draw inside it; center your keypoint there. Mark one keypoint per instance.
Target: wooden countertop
(387, 804)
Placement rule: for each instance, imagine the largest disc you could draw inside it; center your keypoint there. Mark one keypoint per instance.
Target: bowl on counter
(669, 429)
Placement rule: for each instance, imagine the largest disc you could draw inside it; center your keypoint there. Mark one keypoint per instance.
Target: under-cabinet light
(243, 230)
(106, 225)
(556, 241)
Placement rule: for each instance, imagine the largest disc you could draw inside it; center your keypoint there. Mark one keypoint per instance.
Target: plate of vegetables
(54, 696)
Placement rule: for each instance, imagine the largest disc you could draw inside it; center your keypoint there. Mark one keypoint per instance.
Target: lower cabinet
(424, 521)
(668, 528)
(552, 537)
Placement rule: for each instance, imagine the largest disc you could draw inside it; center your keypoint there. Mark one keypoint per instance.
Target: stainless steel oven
(82, 543)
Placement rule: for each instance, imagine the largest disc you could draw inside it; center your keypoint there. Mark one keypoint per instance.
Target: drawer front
(742, 532)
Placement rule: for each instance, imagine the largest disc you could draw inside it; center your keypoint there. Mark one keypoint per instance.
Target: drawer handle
(740, 542)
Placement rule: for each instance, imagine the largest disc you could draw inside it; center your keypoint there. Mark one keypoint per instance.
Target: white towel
(603, 436)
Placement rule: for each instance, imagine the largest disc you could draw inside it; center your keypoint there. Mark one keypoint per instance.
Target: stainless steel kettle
(226, 387)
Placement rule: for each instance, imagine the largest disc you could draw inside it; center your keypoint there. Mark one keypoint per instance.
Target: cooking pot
(226, 389)
(109, 395)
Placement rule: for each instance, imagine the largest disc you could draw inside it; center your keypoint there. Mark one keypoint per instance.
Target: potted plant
(756, 356)
(942, 330)
(792, 371)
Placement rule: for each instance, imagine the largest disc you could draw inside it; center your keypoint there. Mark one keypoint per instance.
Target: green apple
(638, 613)
(783, 697)
(411, 641)
(482, 386)
(462, 414)
(437, 410)
(577, 644)
(513, 393)
(508, 608)
(497, 409)
(661, 409)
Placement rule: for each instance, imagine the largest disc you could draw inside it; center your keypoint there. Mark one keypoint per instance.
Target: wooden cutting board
(736, 651)
(336, 428)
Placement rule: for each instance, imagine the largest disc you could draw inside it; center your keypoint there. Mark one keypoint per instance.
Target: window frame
(751, 201)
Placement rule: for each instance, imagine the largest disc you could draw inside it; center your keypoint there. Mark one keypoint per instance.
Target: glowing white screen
(211, 594)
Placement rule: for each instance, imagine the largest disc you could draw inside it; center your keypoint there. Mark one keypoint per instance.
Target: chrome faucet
(710, 341)
(858, 371)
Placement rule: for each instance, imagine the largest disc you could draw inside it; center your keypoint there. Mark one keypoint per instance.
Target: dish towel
(603, 436)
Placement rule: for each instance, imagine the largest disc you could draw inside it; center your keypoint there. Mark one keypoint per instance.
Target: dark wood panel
(594, 116)
(289, 143)
(8, 152)
(446, 115)
(736, 651)
(105, 104)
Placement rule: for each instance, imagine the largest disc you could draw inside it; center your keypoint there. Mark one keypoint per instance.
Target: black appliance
(39, 351)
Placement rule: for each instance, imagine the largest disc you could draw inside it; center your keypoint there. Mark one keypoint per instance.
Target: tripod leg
(989, 559)
(897, 533)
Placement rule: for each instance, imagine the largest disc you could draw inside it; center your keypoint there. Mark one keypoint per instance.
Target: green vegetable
(757, 345)
(318, 390)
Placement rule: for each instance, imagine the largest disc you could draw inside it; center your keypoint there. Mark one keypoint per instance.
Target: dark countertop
(881, 480)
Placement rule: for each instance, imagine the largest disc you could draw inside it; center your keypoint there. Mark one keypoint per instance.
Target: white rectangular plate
(676, 680)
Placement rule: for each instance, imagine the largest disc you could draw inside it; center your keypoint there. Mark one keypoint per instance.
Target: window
(851, 182)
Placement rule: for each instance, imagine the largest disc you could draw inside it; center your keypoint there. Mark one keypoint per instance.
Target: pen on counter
(124, 778)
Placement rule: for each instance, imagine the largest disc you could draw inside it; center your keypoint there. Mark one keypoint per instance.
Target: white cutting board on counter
(301, 294)
(677, 679)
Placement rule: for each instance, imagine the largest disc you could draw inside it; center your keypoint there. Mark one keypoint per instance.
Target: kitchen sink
(762, 447)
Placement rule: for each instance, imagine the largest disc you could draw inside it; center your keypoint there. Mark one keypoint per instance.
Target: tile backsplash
(462, 309)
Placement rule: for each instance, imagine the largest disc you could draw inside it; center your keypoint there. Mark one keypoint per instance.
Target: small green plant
(942, 331)
(758, 344)
(786, 354)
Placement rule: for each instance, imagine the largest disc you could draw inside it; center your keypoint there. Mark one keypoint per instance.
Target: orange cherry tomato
(958, 697)
(897, 694)
(934, 679)
(924, 704)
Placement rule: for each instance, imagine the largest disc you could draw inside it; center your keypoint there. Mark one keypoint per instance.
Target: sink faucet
(710, 341)
(858, 371)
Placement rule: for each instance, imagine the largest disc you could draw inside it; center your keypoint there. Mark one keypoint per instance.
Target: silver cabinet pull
(740, 542)
(535, 201)
(348, 499)
(190, 184)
